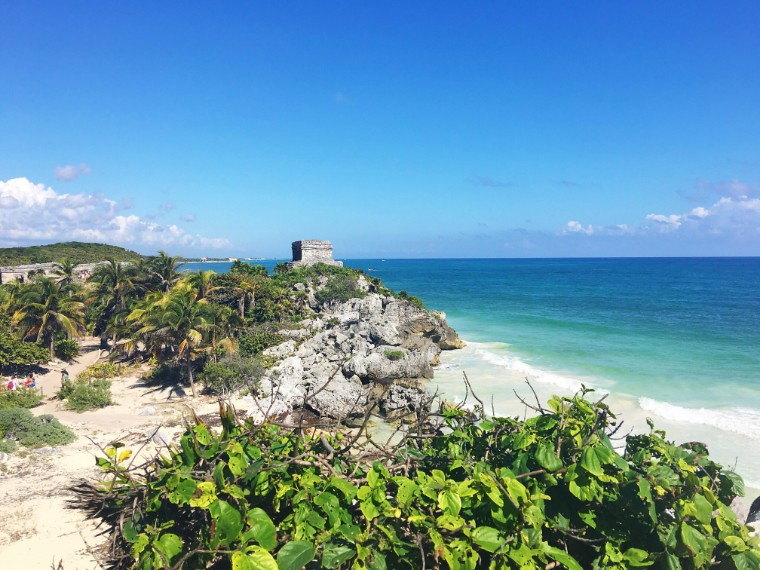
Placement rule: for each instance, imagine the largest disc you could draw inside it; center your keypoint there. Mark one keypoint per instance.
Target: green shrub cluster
(20, 426)
(67, 349)
(15, 352)
(460, 491)
(82, 395)
(19, 398)
(258, 339)
(394, 354)
(101, 370)
(339, 288)
(414, 300)
(232, 373)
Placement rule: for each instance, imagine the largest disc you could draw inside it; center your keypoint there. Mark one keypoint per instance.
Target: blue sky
(393, 129)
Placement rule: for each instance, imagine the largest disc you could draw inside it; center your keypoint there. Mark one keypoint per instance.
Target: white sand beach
(37, 531)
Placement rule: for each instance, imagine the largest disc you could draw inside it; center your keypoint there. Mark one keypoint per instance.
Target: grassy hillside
(76, 251)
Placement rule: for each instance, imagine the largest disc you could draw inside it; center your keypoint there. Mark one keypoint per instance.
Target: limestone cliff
(377, 349)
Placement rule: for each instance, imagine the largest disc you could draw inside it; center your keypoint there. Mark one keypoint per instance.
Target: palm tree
(221, 329)
(202, 282)
(177, 322)
(116, 282)
(9, 293)
(64, 271)
(116, 286)
(165, 270)
(44, 311)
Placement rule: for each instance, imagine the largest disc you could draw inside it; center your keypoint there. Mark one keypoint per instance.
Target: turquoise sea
(674, 339)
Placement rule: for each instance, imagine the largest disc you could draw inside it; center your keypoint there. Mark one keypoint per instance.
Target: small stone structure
(310, 251)
(22, 272)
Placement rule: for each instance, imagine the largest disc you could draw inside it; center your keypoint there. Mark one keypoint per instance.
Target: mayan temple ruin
(311, 251)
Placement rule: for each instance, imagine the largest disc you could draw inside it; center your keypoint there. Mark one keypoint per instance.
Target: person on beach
(64, 377)
(12, 384)
(30, 381)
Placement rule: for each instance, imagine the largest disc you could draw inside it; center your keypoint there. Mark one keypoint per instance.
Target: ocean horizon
(673, 339)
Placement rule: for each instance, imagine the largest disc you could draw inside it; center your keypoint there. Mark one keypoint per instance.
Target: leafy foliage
(414, 300)
(15, 352)
(101, 370)
(459, 491)
(394, 354)
(67, 349)
(20, 426)
(47, 309)
(231, 374)
(82, 395)
(257, 339)
(74, 251)
(249, 269)
(339, 288)
(19, 398)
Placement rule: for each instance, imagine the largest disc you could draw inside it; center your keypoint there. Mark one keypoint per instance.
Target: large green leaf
(547, 458)
(562, 557)
(406, 490)
(229, 522)
(590, 462)
(749, 560)
(255, 559)
(450, 502)
(334, 555)
(636, 558)
(348, 490)
(295, 555)
(237, 465)
(262, 529)
(703, 509)
(169, 545)
(487, 538)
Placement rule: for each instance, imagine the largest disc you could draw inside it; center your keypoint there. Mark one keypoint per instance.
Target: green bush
(231, 374)
(19, 425)
(83, 395)
(258, 339)
(19, 398)
(414, 300)
(459, 491)
(100, 370)
(394, 354)
(339, 288)
(67, 349)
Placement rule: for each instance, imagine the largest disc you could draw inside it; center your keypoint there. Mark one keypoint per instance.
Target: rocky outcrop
(375, 350)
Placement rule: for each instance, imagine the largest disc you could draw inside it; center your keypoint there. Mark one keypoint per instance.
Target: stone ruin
(310, 251)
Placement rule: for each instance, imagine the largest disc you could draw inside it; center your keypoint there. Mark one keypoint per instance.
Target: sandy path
(36, 528)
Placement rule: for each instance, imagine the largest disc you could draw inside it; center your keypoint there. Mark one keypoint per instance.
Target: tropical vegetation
(149, 309)
(76, 252)
(455, 488)
(18, 426)
(459, 490)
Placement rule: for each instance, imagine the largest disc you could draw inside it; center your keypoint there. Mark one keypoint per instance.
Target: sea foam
(489, 352)
(743, 421)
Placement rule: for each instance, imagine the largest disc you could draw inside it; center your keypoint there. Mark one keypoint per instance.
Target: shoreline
(38, 530)
(495, 378)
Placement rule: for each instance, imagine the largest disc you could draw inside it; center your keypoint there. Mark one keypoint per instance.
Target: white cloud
(665, 223)
(32, 213)
(699, 212)
(573, 227)
(71, 172)
(731, 216)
